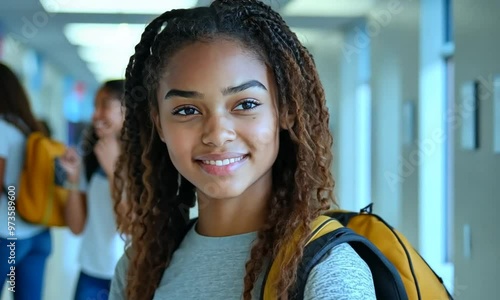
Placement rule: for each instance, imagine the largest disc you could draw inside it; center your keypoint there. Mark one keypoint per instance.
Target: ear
(287, 120)
(156, 120)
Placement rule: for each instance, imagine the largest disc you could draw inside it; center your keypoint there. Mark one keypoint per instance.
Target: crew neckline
(243, 241)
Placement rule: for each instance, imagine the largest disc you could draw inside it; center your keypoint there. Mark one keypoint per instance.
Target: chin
(103, 133)
(221, 191)
(99, 134)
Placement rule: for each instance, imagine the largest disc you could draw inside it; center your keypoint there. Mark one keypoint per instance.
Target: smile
(223, 162)
(225, 166)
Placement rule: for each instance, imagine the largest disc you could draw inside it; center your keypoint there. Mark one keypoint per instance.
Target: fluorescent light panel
(103, 34)
(106, 48)
(328, 8)
(109, 6)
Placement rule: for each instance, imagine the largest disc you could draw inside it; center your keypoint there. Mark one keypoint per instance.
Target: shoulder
(341, 274)
(4, 125)
(11, 137)
(119, 281)
(10, 129)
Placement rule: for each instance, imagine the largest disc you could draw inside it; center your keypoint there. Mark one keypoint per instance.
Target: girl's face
(108, 116)
(217, 115)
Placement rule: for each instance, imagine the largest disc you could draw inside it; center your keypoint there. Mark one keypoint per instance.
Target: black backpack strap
(345, 216)
(387, 281)
(437, 276)
(342, 217)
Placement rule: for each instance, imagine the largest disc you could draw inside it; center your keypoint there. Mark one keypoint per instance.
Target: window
(448, 51)
(436, 136)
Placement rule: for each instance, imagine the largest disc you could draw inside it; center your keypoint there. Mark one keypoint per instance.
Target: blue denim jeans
(30, 259)
(92, 288)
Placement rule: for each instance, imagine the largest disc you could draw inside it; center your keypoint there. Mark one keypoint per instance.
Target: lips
(221, 164)
(100, 125)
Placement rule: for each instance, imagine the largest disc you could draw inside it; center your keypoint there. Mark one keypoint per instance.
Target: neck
(232, 216)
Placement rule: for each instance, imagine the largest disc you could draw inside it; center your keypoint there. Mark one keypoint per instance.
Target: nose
(218, 130)
(97, 114)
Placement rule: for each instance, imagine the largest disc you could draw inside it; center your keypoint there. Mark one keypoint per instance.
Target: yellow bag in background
(42, 196)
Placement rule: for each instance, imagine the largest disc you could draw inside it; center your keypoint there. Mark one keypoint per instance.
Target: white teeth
(224, 162)
(100, 124)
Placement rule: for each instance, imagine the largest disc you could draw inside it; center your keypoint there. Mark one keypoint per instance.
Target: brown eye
(186, 111)
(247, 105)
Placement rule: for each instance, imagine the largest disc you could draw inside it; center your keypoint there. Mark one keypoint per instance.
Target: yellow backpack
(42, 196)
(398, 271)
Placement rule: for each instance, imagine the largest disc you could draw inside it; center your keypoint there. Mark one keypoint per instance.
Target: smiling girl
(224, 106)
(89, 207)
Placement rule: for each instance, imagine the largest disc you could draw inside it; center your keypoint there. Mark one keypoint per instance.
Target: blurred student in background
(89, 209)
(33, 244)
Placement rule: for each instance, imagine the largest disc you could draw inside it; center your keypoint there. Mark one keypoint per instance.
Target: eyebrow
(183, 94)
(225, 92)
(242, 87)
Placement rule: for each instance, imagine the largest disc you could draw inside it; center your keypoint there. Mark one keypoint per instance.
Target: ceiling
(29, 23)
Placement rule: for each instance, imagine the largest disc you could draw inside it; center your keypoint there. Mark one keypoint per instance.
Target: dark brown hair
(14, 104)
(160, 196)
(89, 138)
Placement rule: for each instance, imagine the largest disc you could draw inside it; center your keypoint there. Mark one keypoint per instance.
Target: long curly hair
(15, 107)
(160, 197)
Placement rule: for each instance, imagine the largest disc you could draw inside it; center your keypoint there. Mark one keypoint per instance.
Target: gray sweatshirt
(214, 267)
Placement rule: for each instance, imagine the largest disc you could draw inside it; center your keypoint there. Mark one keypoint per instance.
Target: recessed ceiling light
(109, 6)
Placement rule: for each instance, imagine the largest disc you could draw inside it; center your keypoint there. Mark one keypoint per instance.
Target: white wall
(394, 58)
(327, 55)
(396, 67)
(477, 173)
(353, 177)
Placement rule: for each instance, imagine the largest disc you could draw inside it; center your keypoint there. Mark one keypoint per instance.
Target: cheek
(179, 141)
(266, 136)
(115, 116)
(263, 134)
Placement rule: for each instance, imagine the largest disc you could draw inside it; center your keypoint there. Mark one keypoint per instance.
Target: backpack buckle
(367, 209)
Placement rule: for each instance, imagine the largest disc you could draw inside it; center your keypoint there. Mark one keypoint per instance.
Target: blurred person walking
(89, 209)
(24, 247)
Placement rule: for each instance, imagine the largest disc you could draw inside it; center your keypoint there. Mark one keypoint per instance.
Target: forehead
(105, 96)
(216, 63)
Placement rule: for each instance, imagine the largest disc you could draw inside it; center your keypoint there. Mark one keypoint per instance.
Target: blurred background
(413, 88)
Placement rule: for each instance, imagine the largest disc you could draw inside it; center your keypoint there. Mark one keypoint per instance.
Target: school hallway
(412, 88)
